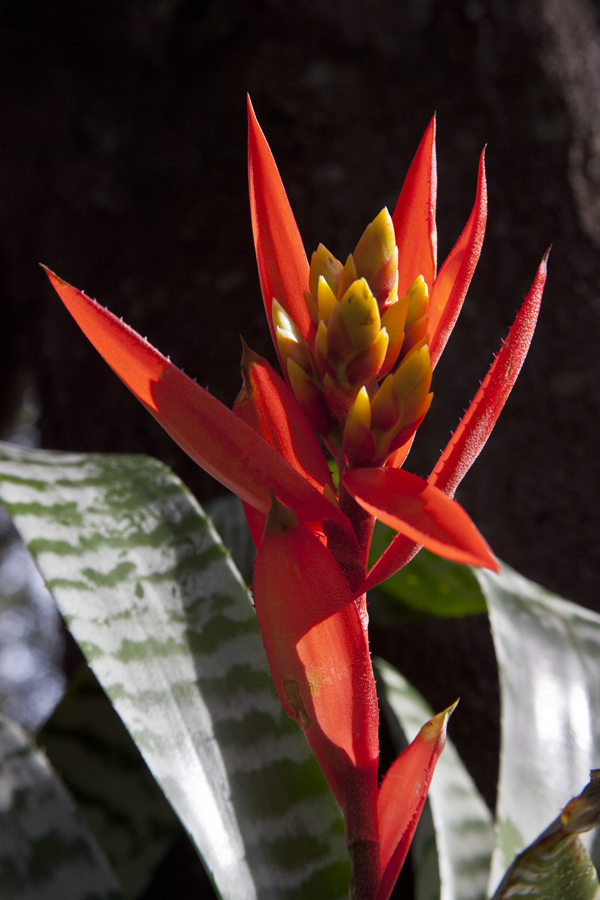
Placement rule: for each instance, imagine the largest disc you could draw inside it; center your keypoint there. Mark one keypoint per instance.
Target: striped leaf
(45, 850)
(462, 824)
(556, 866)
(548, 653)
(228, 518)
(165, 621)
(126, 811)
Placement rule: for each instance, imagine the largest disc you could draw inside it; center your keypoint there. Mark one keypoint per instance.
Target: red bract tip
(414, 217)
(282, 263)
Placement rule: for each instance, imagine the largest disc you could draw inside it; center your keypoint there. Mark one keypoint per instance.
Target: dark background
(122, 167)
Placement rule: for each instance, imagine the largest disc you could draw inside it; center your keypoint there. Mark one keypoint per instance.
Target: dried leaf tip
(435, 730)
(280, 518)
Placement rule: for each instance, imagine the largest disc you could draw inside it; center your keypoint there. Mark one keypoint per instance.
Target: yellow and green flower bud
(359, 442)
(418, 300)
(376, 245)
(311, 399)
(364, 367)
(326, 300)
(363, 376)
(322, 363)
(324, 264)
(290, 342)
(412, 380)
(348, 275)
(393, 321)
(386, 407)
(360, 313)
(384, 283)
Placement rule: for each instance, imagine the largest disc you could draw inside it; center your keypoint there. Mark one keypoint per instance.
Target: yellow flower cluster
(363, 377)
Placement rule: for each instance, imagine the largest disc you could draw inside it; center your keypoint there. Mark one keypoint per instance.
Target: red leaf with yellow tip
(454, 278)
(211, 434)
(282, 264)
(414, 217)
(402, 796)
(421, 512)
(477, 423)
(319, 658)
(268, 405)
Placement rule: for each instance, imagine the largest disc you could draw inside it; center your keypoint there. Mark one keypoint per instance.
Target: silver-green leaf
(46, 851)
(126, 811)
(165, 621)
(548, 653)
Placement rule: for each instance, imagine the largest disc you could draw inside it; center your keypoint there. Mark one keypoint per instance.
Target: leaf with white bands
(548, 653)
(92, 751)
(461, 819)
(165, 621)
(45, 850)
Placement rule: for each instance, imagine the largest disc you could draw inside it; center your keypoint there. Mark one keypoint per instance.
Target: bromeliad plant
(357, 343)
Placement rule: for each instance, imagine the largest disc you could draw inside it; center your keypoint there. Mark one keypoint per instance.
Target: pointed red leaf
(402, 796)
(268, 405)
(477, 423)
(282, 263)
(423, 513)
(210, 433)
(319, 657)
(455, 275)
(396, 555)
(414, 217)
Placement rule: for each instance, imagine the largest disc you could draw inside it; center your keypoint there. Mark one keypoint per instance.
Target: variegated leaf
(462, 823)
(46, 851)
(165, 621)
(126, 811)
(548, 653)
(556, 866)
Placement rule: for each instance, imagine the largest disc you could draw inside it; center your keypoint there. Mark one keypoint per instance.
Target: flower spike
(357, 342)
